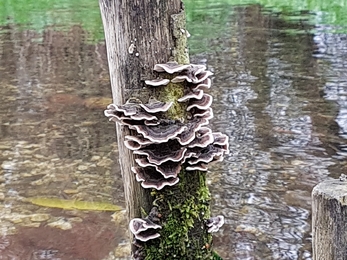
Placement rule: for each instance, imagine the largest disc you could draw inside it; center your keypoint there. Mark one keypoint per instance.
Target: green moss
(184, 209)
(170, 93)
(216, 256)
(180, 53)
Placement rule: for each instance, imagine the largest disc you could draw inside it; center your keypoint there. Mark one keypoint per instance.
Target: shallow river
(280, 93)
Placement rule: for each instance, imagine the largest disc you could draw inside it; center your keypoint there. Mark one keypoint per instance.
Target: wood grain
(329, 220)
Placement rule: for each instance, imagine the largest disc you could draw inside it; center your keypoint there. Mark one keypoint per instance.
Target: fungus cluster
(144, 229)
(214, 223)
(163, 147)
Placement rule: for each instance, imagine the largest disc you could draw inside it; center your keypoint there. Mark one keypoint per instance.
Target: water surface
(279, 91)
(56, 143)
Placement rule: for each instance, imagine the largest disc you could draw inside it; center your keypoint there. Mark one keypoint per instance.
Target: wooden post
(140, 34)
(329, 220)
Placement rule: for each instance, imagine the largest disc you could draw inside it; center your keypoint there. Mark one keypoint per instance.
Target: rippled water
(56, 143)
(280, 96)
(279, 88)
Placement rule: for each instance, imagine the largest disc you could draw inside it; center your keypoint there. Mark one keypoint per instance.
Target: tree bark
(329, 225)
(140, 34)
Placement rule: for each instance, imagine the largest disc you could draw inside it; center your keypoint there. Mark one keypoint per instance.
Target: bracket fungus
(155, 106)
(166, 169)
(159, 133)
(152, 179)
(189, 134)
(203, 85)
(157, 82)
(208, 113)
(170, 67)
(193, 74)
(136, 142)
(203, 104)
(203, 137)
(162, 146)
(197, 167)
(214, 223)
(145, 229)
(163, 154)
(196, 94)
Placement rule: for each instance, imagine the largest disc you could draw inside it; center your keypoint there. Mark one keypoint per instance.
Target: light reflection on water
(55, 142)
(272, 95)
(279, 96)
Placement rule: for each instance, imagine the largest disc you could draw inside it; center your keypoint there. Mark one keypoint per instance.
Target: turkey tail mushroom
(214, 223)
(163, 147)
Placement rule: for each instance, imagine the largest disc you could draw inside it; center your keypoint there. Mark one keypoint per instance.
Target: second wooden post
(329, 220)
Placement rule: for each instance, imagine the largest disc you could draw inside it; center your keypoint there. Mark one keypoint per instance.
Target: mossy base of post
(184, 216)
(329, 220)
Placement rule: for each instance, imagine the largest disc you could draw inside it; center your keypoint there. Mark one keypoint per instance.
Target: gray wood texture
(329, 220)
(138, 35)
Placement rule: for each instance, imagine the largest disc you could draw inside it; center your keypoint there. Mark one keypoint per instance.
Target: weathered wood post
(329, 220)
(140, 34)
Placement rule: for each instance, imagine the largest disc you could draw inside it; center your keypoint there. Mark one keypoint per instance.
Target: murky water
(280, 97)
(279, 92)
(56, 143)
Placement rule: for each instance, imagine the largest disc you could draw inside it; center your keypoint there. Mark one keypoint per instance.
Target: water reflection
(268, 90)
(55, 142)
(332, 49)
